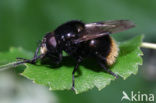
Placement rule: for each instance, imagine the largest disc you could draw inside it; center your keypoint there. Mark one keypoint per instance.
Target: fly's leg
(108, 70)
(75, 69)
(102, 63)
(31, 61)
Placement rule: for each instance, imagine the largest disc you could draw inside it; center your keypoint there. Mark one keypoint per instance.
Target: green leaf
(7, 57)
(90, 75)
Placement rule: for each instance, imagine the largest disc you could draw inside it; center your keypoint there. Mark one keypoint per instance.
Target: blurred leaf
(60, 78)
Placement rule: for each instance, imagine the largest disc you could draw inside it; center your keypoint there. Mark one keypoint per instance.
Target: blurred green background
(24, 22)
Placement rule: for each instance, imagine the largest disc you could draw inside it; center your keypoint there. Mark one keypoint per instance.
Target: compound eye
(52, 41)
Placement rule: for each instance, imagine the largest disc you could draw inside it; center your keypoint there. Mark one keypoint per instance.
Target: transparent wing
(99, 29)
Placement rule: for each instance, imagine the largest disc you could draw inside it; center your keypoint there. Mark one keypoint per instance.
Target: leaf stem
(148, 45)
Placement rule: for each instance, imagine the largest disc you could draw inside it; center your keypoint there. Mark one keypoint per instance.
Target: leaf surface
(89, 75)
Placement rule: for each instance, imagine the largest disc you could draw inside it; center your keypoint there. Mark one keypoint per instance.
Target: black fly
(80, 41)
